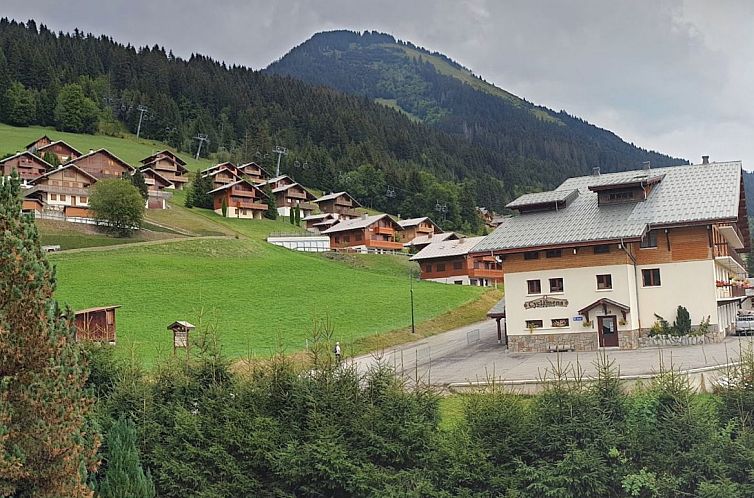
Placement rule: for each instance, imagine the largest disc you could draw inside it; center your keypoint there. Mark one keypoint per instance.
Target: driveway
(472, 354)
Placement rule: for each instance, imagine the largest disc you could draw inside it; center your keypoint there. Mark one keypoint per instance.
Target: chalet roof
(220, 170)
(32, 144)
(102, 151)
(358, 223)
(157, 159)
(322, 216)
(604, 302)
(61, 168)
(232, 184)
(335, 195)
(412, 222)
(326, 223)
(447, 248)
(166, 152)
(543, 198)
(27, 153)
(56, 142)
(687, 195)
(181, 324)
(252, 163)
(143, 170)
(426, 239)
(497, 311)
(291, 185)
(98, 308)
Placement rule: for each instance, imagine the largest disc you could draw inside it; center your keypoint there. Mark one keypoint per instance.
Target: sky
(676, 76)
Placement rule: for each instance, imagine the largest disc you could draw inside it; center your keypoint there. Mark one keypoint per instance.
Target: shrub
(682, 323)
(117, 205)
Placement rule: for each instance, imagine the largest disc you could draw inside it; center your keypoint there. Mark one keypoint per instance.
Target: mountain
(431, 88)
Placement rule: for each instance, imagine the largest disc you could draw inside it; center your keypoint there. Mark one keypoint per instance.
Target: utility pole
(280, 151)
(142, 109)
(202, 137)
(411, 279)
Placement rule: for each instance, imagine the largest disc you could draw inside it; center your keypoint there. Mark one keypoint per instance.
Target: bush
(19, 106)
(682, 324)
(74, 111)
(117, 205)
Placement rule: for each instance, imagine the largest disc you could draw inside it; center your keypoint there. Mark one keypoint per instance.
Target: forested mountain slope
(432, 88)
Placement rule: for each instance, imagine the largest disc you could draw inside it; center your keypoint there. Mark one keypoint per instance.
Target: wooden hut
(96, 324)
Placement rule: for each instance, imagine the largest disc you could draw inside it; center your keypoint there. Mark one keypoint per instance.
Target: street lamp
(411, 292)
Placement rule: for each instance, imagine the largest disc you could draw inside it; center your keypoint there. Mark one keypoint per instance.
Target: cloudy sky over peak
(671, 75)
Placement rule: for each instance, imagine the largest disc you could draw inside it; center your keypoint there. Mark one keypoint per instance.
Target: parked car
(745, 324)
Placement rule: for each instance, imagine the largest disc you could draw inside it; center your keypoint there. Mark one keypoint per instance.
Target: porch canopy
(604, 302)
(498, 313)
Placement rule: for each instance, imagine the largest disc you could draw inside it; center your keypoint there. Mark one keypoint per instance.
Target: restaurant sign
(546, 302)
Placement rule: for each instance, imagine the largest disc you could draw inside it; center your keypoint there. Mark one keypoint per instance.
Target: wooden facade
(222, 176)
(418, 227)
(103, 164)
(253, 172)
(60, 149)
(477, 268)
(157, 186)
(26, 164)
(243, 200)
(293, 194)
(170, 166)
(96, 324)
(381, 232)
(341, 204)
(40, 142)
(67, 186)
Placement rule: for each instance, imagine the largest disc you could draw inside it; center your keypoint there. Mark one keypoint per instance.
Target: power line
(280, 151)
(202, 137)
(142, 109)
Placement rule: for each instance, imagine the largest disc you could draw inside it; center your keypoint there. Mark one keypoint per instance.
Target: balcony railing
(485, 273)
(384, 231)
(55, 189)
(724, 250)
(384, 244)
(347, 212)
(248, 205)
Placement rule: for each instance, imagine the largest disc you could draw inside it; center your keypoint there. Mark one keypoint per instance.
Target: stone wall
(716, 334)
(543, 343)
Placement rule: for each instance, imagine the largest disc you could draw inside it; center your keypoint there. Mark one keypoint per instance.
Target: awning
(497, 311)
(604, 302)
(722, 301)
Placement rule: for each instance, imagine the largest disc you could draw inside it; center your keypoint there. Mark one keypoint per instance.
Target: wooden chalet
(380, 232)
(253, 172)
(243, 199)
(64, 191)
(26, 164)
(157, 186)
(220, 166)
(169, 165)
(96, 324)
(341, 204)
(59, 148)
(278, 181)
(450, 262)
(320, 222)
(40, 142)
(418, 227)
(418, 243)
(103, 164)
(289, 196)
(222, 176)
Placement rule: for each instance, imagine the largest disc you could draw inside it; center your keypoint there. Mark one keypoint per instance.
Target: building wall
(303, 244)
(27, 167)
(244, 213)
(101, 165)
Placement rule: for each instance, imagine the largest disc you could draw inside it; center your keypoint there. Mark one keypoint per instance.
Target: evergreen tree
(51, 159)
(47, 447)
(297, 215)
(291, 216)
(124, 477)
(272, 208)
(19, 105)
(224, 208)
(199, 192)
(138, 181)
(74, 111)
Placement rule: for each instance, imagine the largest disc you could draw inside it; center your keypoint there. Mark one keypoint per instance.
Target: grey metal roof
(322, 216)
(426, 239)
(687, 194)
(543, 198)
(356, 223)
(498, 310)
(447, 248)
(335, 195)
(410, 222)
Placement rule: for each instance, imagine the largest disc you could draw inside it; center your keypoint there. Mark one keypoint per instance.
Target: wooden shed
(96, 324)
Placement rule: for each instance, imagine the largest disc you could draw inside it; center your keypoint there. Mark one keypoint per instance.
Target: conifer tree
(224, 208)
(297, 215)
(138, 181)
(124, 477)
(272, 207)
(291, 216)
(51, 158)
(46, 445)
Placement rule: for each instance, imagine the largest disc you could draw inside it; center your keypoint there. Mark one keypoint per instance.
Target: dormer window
(632, 189)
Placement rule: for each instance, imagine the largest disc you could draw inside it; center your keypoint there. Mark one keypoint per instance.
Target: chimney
(646, 165)
(705, 159)
(596, 171)
(364, 216)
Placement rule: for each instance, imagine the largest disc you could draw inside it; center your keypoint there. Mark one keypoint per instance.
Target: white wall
(304, 244)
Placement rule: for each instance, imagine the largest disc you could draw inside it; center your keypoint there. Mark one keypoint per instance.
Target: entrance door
(608, 331)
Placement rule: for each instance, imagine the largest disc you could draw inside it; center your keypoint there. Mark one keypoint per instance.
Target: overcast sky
(676, 76)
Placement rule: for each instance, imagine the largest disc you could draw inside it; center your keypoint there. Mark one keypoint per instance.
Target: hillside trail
(141, 244)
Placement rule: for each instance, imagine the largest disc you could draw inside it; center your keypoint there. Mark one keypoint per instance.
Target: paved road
(472, 354)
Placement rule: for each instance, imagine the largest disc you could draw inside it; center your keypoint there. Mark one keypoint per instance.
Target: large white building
(593, 262)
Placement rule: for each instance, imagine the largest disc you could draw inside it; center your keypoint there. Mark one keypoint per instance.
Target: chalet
(253, 172)
(341, 204)
(96, 324)
(450, 262)
(490, 218)
(289, 196)
(227, 165)
(169, 165)
(320, 222)
(40, 142)
(60, 149)
(242, 198)
(277, 182)
(418, 243)
(593, 262)
(26, 164)
(157, 186)
(418, 227)
(380, 232)
(222, 176)
(63, 192)
(102, 164)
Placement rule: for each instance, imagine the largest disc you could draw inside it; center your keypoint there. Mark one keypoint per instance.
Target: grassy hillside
(14, 139)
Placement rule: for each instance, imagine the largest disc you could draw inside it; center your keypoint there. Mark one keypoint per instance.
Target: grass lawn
(260, 296)
(77, 235)
(14, 139)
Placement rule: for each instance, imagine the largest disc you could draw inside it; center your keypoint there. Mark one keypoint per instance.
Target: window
(649, 240)
(533, 324)
(428, 268)
(62, 197)
(457, 265)
(603, 249)
(440, 266)
(560, 322)
(346, 238)
(337, 239)
(458, 282)
(358, 235)
(621, 196)
(53, 197)
(534, 286)
(556, 285)
(554, 253)
(605, 281)
(651, 277)
(531, 255)
(82, 199)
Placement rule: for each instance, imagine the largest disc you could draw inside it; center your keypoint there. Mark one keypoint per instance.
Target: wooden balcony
(390, 231)
(248, 205)
(384, 244)
(348, 212)
(485, 273)
(425, 230)
(729, 257)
